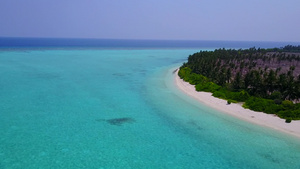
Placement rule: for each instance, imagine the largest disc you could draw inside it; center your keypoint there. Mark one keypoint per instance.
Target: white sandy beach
(238, 111)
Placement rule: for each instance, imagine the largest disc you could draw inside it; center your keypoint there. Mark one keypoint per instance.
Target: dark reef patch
(120, 74)
(269, 157)
(196, 125)
(117, 121)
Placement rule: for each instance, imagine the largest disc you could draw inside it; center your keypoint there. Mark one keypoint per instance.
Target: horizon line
(76, 38)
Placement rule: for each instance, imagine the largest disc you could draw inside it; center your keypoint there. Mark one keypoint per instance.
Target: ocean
(88, 103)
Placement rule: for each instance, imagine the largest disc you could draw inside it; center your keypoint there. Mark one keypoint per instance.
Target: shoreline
(236, 109)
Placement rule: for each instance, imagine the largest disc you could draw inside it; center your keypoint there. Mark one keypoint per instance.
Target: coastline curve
(236, 110)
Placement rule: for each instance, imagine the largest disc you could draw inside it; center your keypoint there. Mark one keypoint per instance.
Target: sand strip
(238, 111)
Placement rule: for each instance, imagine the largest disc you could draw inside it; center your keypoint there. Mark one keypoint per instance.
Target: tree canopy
(270, 74)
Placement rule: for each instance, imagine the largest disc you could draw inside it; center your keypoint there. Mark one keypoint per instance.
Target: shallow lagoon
(120, 109)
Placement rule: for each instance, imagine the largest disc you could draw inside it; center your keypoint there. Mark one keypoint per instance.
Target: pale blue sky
(246, 20)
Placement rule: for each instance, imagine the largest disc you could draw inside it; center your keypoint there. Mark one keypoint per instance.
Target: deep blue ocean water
(85, 106)
(8, 42)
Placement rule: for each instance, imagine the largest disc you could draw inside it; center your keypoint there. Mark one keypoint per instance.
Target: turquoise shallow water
(120, 109)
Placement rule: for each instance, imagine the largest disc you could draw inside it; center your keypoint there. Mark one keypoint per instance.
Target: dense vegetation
(266, 80)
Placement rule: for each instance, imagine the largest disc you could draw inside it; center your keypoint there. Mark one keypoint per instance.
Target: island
(251, 81)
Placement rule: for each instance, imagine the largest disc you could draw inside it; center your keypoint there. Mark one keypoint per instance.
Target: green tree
(238, 81)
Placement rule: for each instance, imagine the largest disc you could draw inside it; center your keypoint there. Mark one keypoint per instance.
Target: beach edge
(236, 110)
